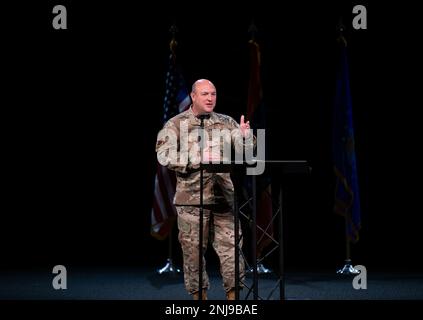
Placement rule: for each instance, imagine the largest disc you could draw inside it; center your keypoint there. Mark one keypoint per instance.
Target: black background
(82, 108)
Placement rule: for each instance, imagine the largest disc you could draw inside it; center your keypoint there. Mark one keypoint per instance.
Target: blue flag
(347, 200)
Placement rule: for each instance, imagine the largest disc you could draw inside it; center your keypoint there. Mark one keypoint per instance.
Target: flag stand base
(261, 269)
(348, 269)
(169, 268)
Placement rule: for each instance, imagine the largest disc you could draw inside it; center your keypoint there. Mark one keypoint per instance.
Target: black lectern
(277, 168)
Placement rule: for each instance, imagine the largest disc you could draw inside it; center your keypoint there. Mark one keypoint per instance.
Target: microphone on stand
(202, 117)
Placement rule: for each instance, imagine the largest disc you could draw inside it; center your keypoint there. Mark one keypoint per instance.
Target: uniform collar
(207, 122)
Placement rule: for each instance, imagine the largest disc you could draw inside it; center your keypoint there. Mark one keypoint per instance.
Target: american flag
(176, 100)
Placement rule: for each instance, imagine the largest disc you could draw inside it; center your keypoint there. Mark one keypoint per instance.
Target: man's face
(204, 97)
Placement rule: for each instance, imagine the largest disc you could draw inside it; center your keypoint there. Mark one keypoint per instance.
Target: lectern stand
(277, 169)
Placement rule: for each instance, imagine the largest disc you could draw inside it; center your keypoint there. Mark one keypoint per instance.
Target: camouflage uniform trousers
(220, 225)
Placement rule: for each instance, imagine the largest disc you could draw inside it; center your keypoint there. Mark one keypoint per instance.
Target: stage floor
(141, 283)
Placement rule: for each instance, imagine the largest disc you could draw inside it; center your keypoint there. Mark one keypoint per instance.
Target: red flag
(176, 100)
(255, 93)
(255, 114)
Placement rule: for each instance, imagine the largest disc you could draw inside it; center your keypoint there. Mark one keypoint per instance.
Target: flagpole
(259, 265)
(348, 268)
(169, 267)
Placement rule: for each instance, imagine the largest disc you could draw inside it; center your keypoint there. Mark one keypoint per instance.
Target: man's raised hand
(244, 126)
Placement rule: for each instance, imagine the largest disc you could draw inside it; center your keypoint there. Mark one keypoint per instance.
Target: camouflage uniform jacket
(217, 187)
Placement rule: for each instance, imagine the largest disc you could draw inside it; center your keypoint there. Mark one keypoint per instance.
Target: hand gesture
(244, 126)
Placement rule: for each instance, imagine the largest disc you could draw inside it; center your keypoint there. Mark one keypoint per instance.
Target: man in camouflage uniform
(178, 148)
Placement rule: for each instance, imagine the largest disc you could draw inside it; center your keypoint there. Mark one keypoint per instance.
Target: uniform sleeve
(168, 150)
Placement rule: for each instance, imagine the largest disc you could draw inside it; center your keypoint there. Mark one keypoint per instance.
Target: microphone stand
(200, 254)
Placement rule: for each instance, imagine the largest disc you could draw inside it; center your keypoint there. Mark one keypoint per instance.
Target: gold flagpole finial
(173, 43)
(340, 28)
(252, 30)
